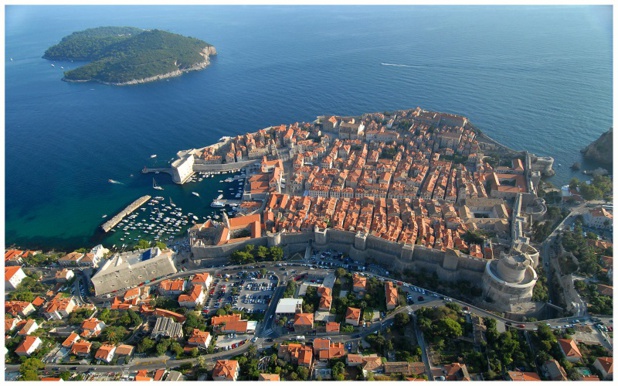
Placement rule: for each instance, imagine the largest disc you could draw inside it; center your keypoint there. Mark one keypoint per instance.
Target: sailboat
(172, 203)
(155, 186)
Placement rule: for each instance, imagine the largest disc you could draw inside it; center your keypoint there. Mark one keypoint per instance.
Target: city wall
(449, 265)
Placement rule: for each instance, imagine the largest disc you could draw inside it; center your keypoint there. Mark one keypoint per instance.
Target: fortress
(407, 190)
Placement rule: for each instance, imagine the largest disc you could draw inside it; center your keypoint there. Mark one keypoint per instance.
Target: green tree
(160, 245)
(262, 252)
(161, 348)
(176, 348)
(276, 253)
(65, 375)
(449, 328)
(114, 334)
(145, 345)
(402, 319)
(30, 368)
(303, 372)
(142, 244)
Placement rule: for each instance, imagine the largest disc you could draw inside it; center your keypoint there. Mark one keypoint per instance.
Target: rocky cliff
(601, 150)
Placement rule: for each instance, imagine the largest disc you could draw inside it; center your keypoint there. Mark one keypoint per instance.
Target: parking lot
(246, 291)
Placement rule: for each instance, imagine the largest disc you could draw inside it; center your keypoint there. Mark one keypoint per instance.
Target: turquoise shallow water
(536, 78)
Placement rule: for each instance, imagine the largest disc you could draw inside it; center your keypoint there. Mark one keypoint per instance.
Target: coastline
(206, 53)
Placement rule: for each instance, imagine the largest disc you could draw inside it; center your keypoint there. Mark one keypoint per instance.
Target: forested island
(128, 55)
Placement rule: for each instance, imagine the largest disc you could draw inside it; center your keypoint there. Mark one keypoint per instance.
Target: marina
(161, 219)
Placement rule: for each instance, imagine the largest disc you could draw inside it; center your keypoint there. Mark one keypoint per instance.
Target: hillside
(600, 150)
(127, 55)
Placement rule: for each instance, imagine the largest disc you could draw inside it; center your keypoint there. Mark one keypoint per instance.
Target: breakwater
(108, 225)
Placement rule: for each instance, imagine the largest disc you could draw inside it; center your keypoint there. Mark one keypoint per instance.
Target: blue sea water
(532, 77)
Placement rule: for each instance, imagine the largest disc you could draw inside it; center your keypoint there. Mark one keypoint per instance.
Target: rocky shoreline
(206, 53)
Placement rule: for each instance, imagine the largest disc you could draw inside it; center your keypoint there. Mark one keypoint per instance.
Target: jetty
(108, 225)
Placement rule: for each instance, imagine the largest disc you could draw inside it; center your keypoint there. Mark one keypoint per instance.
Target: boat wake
(397, 65)
(115, 182)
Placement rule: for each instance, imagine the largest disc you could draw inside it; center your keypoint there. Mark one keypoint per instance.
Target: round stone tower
(509, 280)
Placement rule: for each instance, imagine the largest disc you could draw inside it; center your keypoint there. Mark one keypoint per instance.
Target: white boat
(219, 191)
(104, 216)
(113, 181)
(195, 218)
(217, 204)
(153, 156)
(53, 65)
(195, 194)
(155, 186)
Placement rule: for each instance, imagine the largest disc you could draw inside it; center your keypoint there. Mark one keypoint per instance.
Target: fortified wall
(450, 265)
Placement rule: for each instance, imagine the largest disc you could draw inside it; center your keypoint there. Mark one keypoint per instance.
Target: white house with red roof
(13, 277)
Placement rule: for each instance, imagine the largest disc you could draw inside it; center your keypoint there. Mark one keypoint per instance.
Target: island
(127, 55)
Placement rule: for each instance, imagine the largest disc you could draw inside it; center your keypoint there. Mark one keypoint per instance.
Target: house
(89, 260)
(72, 259)
(59, 307)
(390, 292)
(195, 298)
(226, 370)
(70, 340)
(570, 350)
(132, 293)
(598, 218)
(372, 364)
(303, 322)
(13, 277)
(64, 275)
(142, 375)
(324, 349)
(326, 302)
(29, 327)
(105, 353)
(124, 350)
(92, 327)
(354, 360)
(38, 301)
(296, 353)
(521, 376)
(404, 368)
(13, 257)
(200, 339)
(158, 376)
(29, 345)
(554, 371)
(10, 324)
(359, 283)
(269, 377)
(332, 327)
(172, 287)
(232, 323)
(18, 308)
(81, 348)
(352, 316)
(203, 279)
(456, 372)
(606, 366)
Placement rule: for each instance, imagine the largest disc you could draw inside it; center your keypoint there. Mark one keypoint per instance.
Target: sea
(531, 77)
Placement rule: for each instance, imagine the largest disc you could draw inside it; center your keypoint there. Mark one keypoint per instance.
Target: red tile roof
(9, 272)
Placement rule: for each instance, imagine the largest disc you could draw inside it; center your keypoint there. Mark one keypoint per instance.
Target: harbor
(109, 224)
(206, 195)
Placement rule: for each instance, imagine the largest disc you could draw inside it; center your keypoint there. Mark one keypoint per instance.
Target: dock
(108, 225)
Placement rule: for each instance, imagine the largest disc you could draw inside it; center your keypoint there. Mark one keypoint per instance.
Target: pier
(108, 225)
